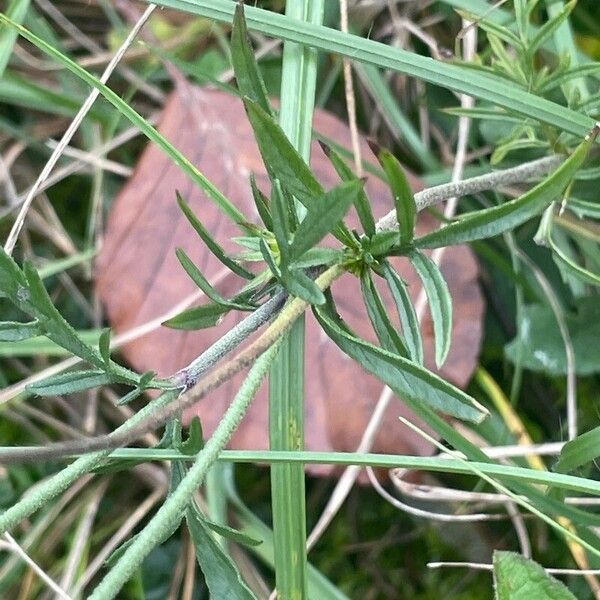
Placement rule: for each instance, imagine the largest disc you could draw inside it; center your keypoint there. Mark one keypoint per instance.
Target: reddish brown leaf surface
(139, 277)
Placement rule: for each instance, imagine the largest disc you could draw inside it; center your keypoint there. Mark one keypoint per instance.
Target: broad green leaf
(262, 204)
(281, 158)
(362, 203)
(405, 378)
(540, 346)
(440, 302)
(16, 10)
(490, 222)
(69, 383)
(406, 312)
(198, 317)
(299, 284)
(247, 75)
(11, 331)
(104, 346)
(324, 216)
(550, 26)
(207, 238)
(519, 578)
(582, 450)
(220, 572)
(384, 328)
(196, 276)
(404, 200)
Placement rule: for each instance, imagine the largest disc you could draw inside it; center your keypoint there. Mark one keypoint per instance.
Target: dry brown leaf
(139, 277)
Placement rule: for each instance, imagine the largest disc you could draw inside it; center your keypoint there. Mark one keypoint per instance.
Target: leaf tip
(325, 147)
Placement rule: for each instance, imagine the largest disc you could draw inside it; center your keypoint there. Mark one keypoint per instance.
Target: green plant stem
(169, 515)
(286, 383)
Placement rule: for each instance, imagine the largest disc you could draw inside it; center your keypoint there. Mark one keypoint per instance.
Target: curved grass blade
(490, 222)
(582, 450)
(406, 312)
(440, 302)
(407, 379)
(212, 244)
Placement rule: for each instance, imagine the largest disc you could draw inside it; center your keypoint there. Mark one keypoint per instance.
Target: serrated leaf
(490, 222)
(549, 27)
(404, 200)
(198, 317)
(324, 216)
(519, 578)
(12, 331)
(440, 302)
(582, 450)
(405, 378)
(212, 244)
(220, 572)
(362, 203)
(196, 276)
(406, 312)
(104, 345)
(247, 75)
(387, 335)
(300, 285)
(281, 158)
(69, 383)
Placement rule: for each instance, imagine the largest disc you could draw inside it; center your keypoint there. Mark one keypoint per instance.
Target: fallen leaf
(139, 277)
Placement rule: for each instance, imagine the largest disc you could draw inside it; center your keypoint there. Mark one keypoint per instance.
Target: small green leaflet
(407, 379)
(498, 219)
(519, 578)
(248, 78)
(404, 200)
(262, 204)
(104, 346)
(300, 285)
(406, 312)
(440, 302)
(69, 383)
(198, 317)
(546, 30)
(11, 331)
(578, 452)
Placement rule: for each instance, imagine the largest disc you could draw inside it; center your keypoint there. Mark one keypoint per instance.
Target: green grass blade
(16, 10)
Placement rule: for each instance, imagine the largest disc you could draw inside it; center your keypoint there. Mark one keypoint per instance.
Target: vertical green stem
(286, 391)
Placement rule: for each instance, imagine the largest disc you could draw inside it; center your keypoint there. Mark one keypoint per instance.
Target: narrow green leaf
(504, 33)
(319, 257)
(198, 317)
(362, 203)
(229, 533)
(16, 10)
(262, 204)
(564, 262)
(519, 578)
(280, 211)
(281, 158)
(12, 281)
(212, 244)
(404, 200)
(562, 77)
(324, 216)
(195, 438)
(69, 383)
(11, 331)
(498, 219)
(247, 75)
(407, 379)
(582, 450)
(406, 312)
(440, 302)
(300, 285)
(220, 572)
(549, 27)
(196, 276)
(381, 243)
(104, 345)
(386, 333)
(130, 396)
(269, 258)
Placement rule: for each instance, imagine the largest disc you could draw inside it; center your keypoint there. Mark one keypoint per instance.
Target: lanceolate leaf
(498, 219)
(11, 331)
(386, 333)
(104, 346)
(550, 27)
(407, 379)
(262, 204)
(198, 317)
(440, 302)
(324, 216)
(519, 578)
(404, 201)
(280, 212)
(69, 383)
(302, 286)
(580, 451)
(563, 261)
(206, 237)
(248, 78)
(406, 312)
(362, 204)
